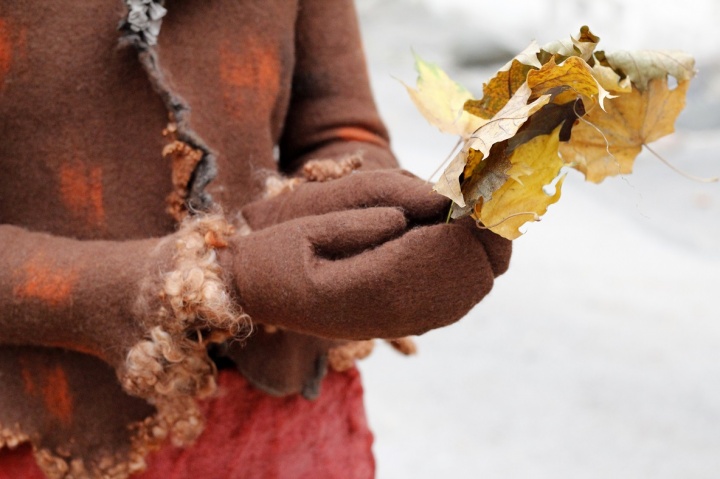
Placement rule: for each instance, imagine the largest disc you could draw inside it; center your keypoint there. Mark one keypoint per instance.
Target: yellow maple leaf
(498, 91)
(545, 109)
(607, 142)
(567, 81)
(483, 176)
(522, 198)
(441, 100)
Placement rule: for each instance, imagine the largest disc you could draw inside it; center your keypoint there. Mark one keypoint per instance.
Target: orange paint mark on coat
(28, 382)
(54, 388)
(6, 50)
(56, 394)
(81, 191)
(46, 283)
(249, 73)
(354, 133)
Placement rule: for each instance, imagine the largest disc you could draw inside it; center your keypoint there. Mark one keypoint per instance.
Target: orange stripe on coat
(81, 191)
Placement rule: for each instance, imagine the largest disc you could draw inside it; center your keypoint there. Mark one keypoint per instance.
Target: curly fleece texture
(184, 310)
(195, 309)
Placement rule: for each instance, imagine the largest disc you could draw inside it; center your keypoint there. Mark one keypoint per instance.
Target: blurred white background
(598, 354)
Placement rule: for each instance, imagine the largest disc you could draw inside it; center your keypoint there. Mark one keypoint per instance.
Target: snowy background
(598, 354)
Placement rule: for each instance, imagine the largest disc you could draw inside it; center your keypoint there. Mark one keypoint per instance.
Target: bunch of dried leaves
(564, 104)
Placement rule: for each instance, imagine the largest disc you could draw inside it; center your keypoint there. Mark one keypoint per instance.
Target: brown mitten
(361, 189)
(346, 259)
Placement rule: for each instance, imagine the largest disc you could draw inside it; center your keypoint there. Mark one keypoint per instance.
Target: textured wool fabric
(364, 273)
(364, 189)
(260, 437)
(270, 85)
(361, 189)
(366, 243)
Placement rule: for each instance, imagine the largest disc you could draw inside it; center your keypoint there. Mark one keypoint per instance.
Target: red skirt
(252, 435)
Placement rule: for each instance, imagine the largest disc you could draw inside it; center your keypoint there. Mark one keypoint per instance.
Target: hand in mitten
(361, 257)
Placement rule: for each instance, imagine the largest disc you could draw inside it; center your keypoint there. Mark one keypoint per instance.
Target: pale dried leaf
(607, 142)
(645, 65)
(441, 100)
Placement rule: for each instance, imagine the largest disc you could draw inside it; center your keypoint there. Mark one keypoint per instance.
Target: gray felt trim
(140, 30)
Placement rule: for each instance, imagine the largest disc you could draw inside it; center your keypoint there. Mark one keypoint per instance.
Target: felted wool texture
(181, 308)
(303, 368)
(260, 436)
(81, 125)
(72, 433)
(110, 181)
(195, 309)
(358, 190)
(282, 362)
(82, 146)
(362, 274)
(297, 66)
(222, 59)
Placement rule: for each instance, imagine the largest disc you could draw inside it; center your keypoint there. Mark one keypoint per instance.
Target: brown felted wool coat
(108, 137)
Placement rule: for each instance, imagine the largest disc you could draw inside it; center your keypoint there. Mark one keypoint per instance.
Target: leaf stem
(444, 162)
(449, 215)
(679, 171)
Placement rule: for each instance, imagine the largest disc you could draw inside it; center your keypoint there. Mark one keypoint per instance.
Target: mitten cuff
(185, 309)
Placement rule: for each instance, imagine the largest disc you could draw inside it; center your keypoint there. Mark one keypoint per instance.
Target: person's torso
(81, 129)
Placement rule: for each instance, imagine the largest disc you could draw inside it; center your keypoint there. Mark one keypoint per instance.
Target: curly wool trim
(184, 159)
(170, 367)
(178, 419)
(195, 309)
(405, 346)
(318, 170)
(342, 358)
(144, 18)
(12, 437)
(325, 170)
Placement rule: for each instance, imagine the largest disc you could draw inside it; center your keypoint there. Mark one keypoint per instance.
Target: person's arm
(332, 114)
(142, 306)
(56, 291)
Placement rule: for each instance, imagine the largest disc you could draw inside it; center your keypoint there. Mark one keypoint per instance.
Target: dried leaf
(566, 81)
(610, 80)
(532, 121)
(608, 141)
(501, 127)
(528, 57)
(483, 178)
(645, 65)
(498, 91)
(583, 45)
(522, 198)
(508, 120)
(441, 100)
(448, 184)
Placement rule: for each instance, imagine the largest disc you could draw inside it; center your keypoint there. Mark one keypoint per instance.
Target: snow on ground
(598, 354)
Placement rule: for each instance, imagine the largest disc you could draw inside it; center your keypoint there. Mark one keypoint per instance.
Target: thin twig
(679, 171)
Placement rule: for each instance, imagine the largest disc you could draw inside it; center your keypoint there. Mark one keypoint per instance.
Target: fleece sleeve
(147, 307)
(332, 112)
(56, 291)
